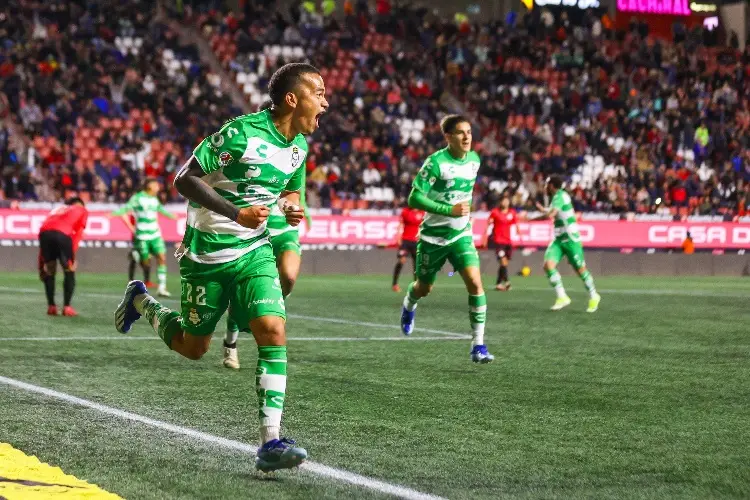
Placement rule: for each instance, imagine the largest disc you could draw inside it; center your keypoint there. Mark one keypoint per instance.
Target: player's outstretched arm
(547, 213)
(420, 201)
(189, 183)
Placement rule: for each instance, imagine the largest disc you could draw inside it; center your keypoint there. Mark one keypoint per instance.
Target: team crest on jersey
(295, 156)
(225, 159)
(217, 140)
(194, 317)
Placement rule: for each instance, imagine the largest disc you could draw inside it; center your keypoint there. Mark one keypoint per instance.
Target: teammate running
(288, 254)
(443, 189)
(59, 238)
(567, 242)
(232, 180)
(499, 224)
(134, 258)
(408, 228)
(147, 240)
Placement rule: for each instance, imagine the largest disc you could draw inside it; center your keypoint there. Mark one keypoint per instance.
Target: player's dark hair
(286, 78)
(555, 181)
(266, 105)
(74, 200)
(449, 123)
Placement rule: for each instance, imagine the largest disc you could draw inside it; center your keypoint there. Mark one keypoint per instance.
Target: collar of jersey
(274, 131)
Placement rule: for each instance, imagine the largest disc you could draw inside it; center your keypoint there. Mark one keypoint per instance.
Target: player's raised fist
(253, 217)
(461, 209)
(294, 215)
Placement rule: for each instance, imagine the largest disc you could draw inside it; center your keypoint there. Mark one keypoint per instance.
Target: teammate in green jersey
(288, 254)
(232, 180)
(147, 240)
(443, 188)
(567, 242)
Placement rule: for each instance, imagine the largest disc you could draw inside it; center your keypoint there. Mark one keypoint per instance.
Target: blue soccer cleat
(407, 321)
(126, 314)
(480, 354)
(279, 454)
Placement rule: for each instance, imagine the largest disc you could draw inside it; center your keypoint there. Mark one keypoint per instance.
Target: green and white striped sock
(270, 384)
(556, 281)
(410, 301)
(477, 318)
(165, 322)
(161, 275)
(588, 282)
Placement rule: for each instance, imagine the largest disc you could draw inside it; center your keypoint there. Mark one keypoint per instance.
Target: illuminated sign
(672, 7)
(703, 7)
(711, 23)
(581, 4)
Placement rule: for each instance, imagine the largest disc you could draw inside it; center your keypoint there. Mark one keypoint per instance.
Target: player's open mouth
(317, 118)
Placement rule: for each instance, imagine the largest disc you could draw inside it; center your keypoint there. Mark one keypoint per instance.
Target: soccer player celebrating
(233, 177)
(147, 239)
(567, 242)
(411, 218)
(501, 220)
(288, 254)
(59, 238)
(443, 189)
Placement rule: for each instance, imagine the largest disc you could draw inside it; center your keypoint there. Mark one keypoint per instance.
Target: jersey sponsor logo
(252, 172)
(274, 180)
(261, 151)
(225, 158)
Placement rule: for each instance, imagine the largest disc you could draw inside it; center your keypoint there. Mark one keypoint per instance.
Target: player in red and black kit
(59, 237)
(501, 220)
(411, 218)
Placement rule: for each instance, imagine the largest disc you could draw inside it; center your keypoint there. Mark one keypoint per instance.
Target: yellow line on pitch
(25, 477)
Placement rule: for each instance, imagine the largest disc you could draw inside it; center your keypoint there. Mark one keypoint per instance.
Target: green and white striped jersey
(249, 163)
(566, 226)
(447, 180)
(146, 209)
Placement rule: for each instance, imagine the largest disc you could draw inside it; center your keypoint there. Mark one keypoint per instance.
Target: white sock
(231, 337)
(269, 432)
(140, 302)
(556, 281)
(477, 332)
(408, 304)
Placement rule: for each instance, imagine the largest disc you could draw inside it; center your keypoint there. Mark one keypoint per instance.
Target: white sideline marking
(293, 316)
(217, 338)
(312, 467)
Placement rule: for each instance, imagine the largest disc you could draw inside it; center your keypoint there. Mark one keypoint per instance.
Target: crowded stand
(107, 95)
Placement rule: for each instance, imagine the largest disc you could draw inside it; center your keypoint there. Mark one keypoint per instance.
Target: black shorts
(54, 245)
(502, 250)
(408, 248)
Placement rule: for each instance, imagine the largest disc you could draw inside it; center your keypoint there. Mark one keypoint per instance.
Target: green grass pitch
(647, 398)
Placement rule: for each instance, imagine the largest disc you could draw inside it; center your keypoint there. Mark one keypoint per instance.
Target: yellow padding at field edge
(24, 477)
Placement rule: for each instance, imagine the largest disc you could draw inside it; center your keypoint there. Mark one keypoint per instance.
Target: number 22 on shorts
(200, 294)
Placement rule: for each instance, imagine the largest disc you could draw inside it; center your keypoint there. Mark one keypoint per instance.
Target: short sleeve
(222, 149)
(426, 176)
(297, 181)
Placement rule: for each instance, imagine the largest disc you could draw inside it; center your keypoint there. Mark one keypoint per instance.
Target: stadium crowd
(634, 123)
